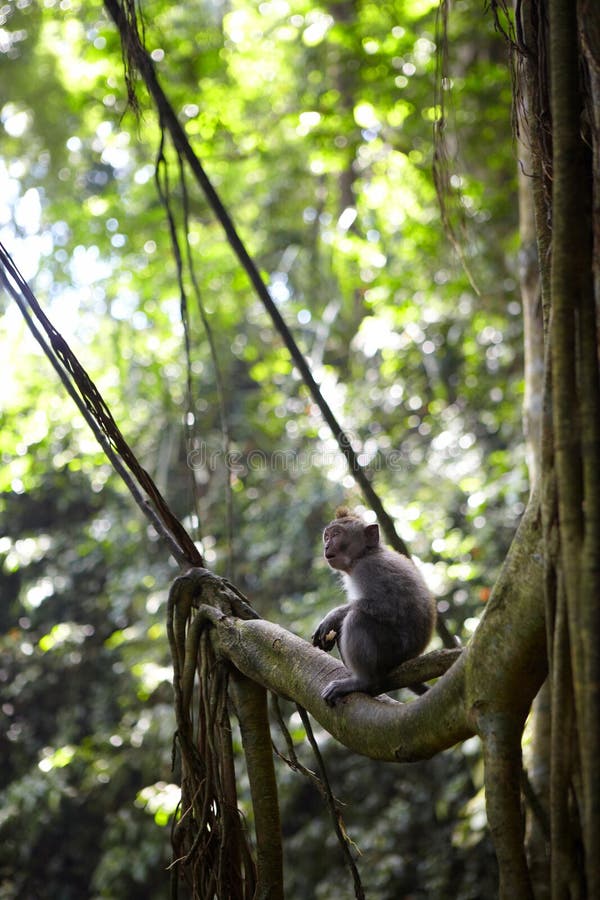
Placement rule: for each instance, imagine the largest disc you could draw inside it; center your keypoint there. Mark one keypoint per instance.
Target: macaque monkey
(389, 616)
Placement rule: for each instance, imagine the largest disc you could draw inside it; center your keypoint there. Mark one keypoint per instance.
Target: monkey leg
(337, 689)
(370, 649)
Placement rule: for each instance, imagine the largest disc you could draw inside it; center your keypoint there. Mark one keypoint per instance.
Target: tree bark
(576, 409)
(501, 737)
(530, 180)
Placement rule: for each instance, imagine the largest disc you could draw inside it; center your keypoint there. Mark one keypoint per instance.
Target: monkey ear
(372, 535)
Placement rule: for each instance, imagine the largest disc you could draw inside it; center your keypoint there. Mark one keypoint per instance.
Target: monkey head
(348, 539)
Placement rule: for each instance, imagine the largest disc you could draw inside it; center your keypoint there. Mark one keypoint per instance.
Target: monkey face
(345, 542)
(335, 547)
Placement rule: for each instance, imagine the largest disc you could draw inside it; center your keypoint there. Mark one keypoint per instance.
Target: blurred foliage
(315, 123)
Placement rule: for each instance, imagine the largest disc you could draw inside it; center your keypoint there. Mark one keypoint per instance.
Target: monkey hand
(329, 630)
(323, 639)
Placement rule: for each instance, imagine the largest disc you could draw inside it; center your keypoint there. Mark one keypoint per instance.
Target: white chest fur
(351, 588)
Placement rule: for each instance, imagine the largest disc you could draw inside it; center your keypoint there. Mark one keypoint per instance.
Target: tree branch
(423, 668)
(506, 662)
(380, 728)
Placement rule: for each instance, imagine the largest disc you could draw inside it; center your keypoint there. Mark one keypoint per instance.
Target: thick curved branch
(507, 661)
(380, 728)
(423, 668)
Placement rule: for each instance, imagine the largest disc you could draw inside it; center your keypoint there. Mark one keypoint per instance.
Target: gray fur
(390, 614)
